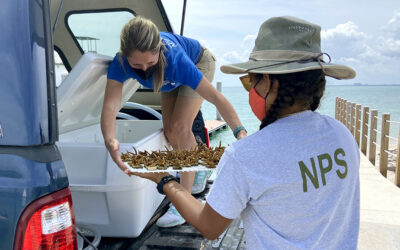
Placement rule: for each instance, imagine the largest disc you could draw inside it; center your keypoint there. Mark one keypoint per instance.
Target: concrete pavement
(380, 210)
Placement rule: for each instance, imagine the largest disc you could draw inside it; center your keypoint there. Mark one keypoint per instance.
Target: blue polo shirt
(181, 53)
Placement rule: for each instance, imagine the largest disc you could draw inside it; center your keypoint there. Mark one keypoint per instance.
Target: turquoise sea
(386, 99)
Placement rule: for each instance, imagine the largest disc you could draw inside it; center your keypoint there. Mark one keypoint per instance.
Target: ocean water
(386, 99)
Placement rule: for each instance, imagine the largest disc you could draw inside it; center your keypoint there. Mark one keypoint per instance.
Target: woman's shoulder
(118, 60)
(169, 40)
(333, 122)
(116, 69)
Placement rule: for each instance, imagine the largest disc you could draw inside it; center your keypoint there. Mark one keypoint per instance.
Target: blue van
(36, 209)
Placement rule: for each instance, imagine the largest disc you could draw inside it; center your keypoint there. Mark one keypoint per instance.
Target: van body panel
(30, 163)
(21, 182)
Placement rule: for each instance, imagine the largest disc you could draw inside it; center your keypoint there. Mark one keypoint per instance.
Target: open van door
(86, 38)
(95, 26)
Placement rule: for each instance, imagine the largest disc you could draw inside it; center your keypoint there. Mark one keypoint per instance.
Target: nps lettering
(325, 165)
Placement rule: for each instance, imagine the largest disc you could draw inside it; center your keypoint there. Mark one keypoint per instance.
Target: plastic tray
(169, 169)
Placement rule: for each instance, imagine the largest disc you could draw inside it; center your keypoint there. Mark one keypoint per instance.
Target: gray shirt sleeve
(230, 192)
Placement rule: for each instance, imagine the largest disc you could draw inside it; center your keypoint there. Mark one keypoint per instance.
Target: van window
(61, 71)
(99, 32)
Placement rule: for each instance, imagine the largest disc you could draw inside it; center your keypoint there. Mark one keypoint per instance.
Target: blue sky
(364, 35)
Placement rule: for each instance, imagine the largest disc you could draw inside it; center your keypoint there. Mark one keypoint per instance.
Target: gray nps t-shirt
(295, 183)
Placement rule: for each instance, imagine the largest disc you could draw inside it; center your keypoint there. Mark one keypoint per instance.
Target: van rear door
(31, 169)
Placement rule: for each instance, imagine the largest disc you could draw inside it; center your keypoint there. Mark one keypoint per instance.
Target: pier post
(337, 108)
(357, 129)
(383, 161)
(348, 114)
(397, 173)
(353, 119)
(219, 88)
(349, 118)
(341, 110)
(364, 132)
(372, 136)
(343, 118)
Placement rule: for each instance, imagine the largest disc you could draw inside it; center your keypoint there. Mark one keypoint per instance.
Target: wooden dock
(214, 126)
(366, 133)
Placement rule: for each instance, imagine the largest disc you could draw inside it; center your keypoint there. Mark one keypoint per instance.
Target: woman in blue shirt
(182, 70)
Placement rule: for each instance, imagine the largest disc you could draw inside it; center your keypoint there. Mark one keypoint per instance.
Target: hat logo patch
(300, 28)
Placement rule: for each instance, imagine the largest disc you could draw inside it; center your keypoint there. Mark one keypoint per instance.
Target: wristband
(237, 130)
(164, 181)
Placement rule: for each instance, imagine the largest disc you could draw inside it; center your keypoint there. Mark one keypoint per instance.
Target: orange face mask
(257, 104)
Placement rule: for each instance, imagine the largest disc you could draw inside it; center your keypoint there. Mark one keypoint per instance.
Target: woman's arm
(111, 106)
(204, 218)
(211, 94)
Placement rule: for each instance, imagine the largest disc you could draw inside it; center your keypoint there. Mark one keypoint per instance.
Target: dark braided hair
(305, 87)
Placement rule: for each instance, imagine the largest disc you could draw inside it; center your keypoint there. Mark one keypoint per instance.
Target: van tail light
(48, 223)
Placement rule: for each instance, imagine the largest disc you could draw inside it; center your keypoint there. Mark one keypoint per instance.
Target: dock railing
(363, 124)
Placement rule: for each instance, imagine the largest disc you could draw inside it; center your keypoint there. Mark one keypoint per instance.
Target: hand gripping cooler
(103, 196)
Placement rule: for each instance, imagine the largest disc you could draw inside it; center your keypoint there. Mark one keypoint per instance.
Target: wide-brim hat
(288, 45)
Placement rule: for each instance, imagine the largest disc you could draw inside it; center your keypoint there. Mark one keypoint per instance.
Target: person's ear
(267, 80)
(273, 87)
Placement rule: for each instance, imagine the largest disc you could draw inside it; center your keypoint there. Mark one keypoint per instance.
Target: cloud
(248, 41)
(207, 45)
(232, 56)
(388, 43)
(380, 59)
(393, 26)
(389, 47)
(345, 40)
(375, 55)
(346, 30)
(242, 55)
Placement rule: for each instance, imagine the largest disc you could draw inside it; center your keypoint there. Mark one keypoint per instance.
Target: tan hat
(288, 45)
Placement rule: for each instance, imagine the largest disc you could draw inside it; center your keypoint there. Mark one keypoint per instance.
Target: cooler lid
(80, 96)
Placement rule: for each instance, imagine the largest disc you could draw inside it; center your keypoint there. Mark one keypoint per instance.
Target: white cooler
(103, 196)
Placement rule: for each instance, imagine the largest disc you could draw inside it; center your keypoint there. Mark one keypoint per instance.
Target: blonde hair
(142, 34)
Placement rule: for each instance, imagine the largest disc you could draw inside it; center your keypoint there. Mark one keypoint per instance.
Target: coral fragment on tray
(161, 160)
